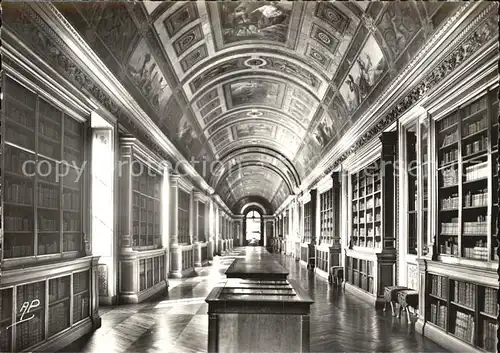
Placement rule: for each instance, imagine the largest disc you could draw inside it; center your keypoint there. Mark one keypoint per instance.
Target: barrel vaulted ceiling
(263, 88)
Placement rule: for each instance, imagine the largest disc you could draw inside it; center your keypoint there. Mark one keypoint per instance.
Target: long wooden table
(258, 263)
(256, 309)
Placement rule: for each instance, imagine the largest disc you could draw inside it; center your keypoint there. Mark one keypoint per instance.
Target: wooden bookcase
(151, 272)
(467, 153)
(464, 309)
(184, 217)
(367, 207)
(201, 222)
(67, 304)
(43, 151)
(141, 239)
(360, 274)
(326, 217)
(146, 209)
(307, 222)
(370, 191)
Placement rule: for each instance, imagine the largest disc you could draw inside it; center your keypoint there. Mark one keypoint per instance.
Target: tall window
(253, 223)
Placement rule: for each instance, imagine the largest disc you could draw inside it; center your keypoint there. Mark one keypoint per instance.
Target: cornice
(384, 118)
(140, 150)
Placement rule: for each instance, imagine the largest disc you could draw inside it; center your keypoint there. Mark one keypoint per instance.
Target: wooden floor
(177, 322)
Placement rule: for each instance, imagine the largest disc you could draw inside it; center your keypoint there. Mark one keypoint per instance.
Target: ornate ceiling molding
(452, 60)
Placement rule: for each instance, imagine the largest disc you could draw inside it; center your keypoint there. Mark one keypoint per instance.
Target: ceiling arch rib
(256, 173)
(261, 153)
(238, 170)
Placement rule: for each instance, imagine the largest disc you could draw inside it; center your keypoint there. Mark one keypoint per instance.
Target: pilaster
(175, 250)
(314, 228)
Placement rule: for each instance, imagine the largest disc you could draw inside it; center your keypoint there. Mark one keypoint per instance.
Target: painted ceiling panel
(257, 84)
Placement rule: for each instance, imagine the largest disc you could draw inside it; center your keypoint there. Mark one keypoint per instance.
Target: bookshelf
(81, 296)
(151, 272)
(201, 222)
(184, 215)
(5, 318)
(59, 301)
(360, 274)
(42, 180)
(326, 217)
(29, 333)
(146, 189)
(307, 222)
(466, 310)
(367, 207)
(467, 151)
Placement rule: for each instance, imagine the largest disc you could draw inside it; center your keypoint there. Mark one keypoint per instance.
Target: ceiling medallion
(254, 113)
(255, 63)
(324, 38)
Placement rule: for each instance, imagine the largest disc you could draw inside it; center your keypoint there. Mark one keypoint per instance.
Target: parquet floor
(177, 321)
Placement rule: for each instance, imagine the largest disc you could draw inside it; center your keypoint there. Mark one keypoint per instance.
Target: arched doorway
(253, 228)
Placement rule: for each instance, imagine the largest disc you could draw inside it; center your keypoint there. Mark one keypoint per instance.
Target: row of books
(5, 304)
(450, 202)
(58, 317)
(15, 223)
(478, 252)
(450, 138)
(72, 242)
(71, 224)
(490, 301)
(59, 288)
(16, 161)
(19, 138)
(20, 115)
(448, 121)
(464, 327)
(29, 333)
(450, 247)
(439, 315)
(29, 292)
(48, 224)
(72, 126)
(476, 146)
(450, 228)
(490, 335)
(477, 171)
(475, 107)
(48, 196)
(450, 156)
(439, 286)
(49, 130)
(465, 294)
(48, 245)
(19, 192)
(71, 200)
(479, 227)
(80, 281)
(472, 128)
(17, 250)
(476, 199)
(80, 307)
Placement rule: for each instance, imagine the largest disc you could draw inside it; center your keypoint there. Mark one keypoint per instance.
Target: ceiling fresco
(261, 85)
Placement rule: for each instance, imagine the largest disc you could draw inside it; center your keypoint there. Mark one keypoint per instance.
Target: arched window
(253, 227)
